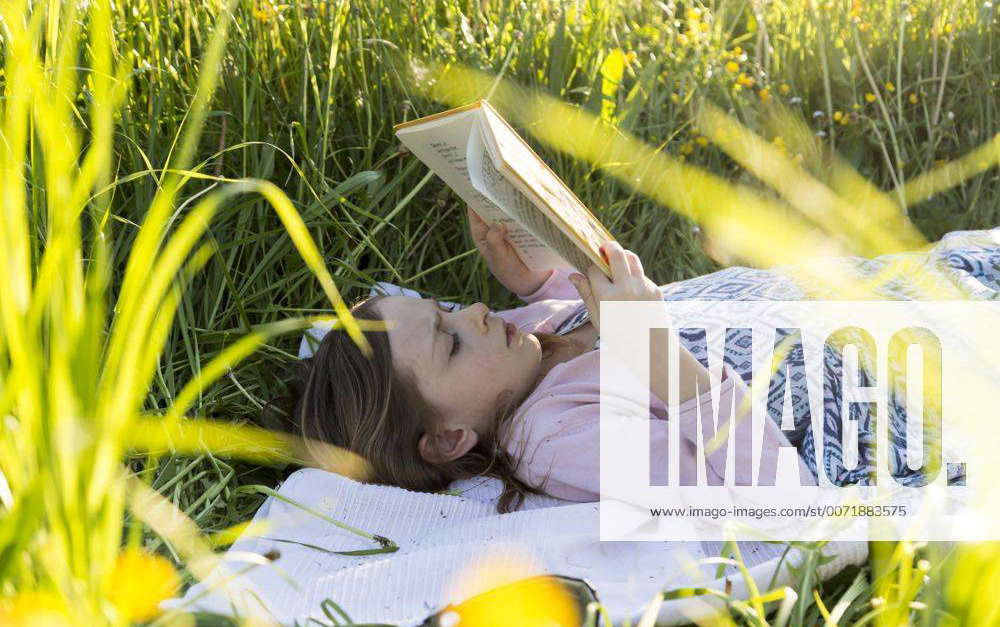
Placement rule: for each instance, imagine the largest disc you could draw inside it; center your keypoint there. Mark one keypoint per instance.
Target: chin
(532, 341)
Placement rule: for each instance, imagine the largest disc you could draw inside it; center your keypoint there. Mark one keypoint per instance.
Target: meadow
(271, 124)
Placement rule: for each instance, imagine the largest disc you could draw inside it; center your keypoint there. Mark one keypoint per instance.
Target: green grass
(307, 93)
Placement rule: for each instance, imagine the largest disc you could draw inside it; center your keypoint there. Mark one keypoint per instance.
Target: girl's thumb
(580, 283)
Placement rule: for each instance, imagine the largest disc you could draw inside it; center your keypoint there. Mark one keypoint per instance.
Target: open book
(501, 178)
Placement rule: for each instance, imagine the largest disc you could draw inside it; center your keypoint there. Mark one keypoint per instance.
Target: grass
(303, 95)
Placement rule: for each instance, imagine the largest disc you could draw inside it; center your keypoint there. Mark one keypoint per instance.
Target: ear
(447, 444)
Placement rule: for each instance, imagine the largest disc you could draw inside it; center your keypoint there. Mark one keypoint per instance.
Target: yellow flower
(870, 97)
(703, 27)
(140, 581)
(35, 609)
(732, 67)
(630, 56)
(948, 28)
(914, 98)
(687, 148)
(701, 140)
(765, 95)
(737, 51)
(264, 12)
(837, 116)
(856, 106)
(890, 87)
(674, 98)
(536, 601)
(737, 87)
(694, 14)
(778, 141)
(746, 81)
(682, 39)
(784, 89)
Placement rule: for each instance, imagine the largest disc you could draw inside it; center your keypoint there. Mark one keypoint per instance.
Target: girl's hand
(501, 258)
(629, 283)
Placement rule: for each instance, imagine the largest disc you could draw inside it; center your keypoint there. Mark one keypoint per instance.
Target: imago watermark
(812, 420)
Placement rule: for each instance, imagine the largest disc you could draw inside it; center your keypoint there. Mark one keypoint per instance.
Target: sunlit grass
(180, 179)
(81, 350)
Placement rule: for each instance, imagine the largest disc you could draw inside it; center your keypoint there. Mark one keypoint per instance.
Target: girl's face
(462, 361)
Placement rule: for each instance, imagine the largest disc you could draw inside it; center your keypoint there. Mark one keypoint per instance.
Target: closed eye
(455, 343)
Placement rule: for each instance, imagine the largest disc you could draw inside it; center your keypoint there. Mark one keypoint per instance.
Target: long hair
(364, 404)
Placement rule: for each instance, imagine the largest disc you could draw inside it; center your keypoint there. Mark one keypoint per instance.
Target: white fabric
(441, 538)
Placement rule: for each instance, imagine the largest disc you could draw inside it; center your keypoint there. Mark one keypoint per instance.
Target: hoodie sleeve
(556, 286)
(561, 454)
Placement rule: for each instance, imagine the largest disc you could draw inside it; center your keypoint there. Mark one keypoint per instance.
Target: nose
(478, 314)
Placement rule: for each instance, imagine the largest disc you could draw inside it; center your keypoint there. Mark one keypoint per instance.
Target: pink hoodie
(557, 427)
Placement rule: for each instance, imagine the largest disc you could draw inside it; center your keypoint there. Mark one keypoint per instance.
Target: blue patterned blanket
(968, 261)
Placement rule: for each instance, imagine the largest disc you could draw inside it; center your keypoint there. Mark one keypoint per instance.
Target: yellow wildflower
(765, 94)
(745, 80)
(701, 140)
(914, 98)
(674, 98)
(41, 609)
(694, 14)
(140, 581)
(870, 97)
(778, 141)
(732, 67)
(682, 39)
(890, 87)
(630, 56)
(838, 116)
(737, 51)
(703, 27)
(784, 89)
(948, 28)
(856, 106)
(263, 12)
(687, 148)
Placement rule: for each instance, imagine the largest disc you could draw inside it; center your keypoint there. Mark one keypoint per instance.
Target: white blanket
(452, 547)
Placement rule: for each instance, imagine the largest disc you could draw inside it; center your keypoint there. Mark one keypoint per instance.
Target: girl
(450, 394)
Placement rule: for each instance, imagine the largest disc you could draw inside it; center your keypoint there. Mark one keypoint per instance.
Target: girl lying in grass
(450, 394)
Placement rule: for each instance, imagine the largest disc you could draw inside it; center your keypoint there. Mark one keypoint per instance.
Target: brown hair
(363, 404)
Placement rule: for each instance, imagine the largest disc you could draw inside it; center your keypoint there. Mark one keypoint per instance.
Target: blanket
(455, 545)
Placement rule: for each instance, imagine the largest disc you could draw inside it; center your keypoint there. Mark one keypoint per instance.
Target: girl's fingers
(477, 227)
(495, 238)
(617, 260)
(598, 284)
(634, 264)
(507, 250)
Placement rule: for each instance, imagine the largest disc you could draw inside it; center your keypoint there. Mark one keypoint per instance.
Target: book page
(441, 144)
(485, 177)
(526, 171)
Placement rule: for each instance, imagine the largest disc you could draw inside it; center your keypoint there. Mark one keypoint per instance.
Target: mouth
(511, 331)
